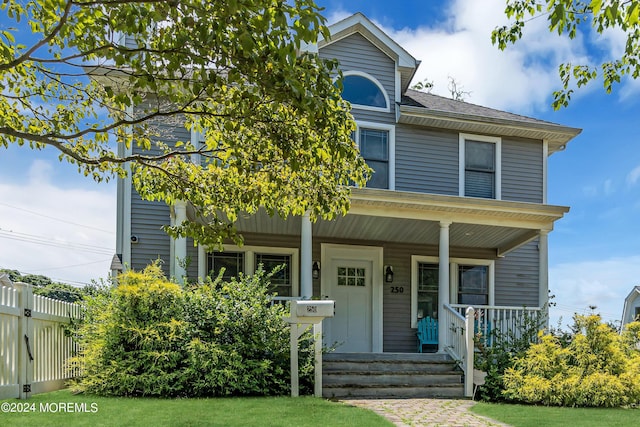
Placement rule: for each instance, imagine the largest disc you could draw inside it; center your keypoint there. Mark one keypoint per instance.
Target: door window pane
(350, 276)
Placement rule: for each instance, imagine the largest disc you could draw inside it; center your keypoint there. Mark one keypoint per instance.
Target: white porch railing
(492, 323)
(496, 322)
(458, 342)
(33, 345)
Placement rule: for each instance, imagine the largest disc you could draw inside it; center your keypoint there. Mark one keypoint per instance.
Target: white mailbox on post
(306, 313)
(311, 308)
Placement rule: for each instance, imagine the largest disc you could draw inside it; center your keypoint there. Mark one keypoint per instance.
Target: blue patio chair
(427, 332)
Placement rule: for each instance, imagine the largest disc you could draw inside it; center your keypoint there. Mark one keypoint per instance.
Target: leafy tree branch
(143, 75)
(567, 17)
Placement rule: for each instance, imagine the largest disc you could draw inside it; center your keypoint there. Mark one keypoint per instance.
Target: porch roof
(414, 218)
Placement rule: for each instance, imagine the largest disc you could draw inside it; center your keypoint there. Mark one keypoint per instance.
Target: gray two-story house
(455, 214)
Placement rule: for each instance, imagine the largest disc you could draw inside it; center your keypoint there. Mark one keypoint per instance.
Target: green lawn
(259, 411)
(536, 416)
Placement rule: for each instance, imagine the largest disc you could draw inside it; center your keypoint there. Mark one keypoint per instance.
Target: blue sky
(594, 250)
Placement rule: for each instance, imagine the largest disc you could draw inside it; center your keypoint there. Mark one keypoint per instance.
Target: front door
(351, 288)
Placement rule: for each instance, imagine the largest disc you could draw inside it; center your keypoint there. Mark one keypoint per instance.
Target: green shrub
(150, 337)
(506, 348)
(132, 338)
(596, 367)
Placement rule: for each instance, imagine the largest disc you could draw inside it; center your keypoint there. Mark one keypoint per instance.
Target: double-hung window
(428, 290)
(281, 280)
(374, 148)
(236, 260)
(473, 284)
(232, 262)
(376, 143)
(480, 171)
(425, 273)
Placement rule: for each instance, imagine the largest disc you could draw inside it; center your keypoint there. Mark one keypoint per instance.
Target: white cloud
(608, 187)
(521, 78)
(634, 176)
(601, 283)
(31, 208)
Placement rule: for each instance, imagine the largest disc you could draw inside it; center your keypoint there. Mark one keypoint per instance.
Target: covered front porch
(444, 253)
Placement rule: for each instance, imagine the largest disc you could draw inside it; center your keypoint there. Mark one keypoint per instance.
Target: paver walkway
(426, 412)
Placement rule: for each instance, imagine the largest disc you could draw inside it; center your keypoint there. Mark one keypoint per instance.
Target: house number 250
(397, 289)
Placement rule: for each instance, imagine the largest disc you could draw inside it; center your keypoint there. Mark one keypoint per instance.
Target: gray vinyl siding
(398, 336)
(522, 170)
(192, 254)
(130, 42)
(517, 277)
(147, 219)
(356, 53)
(426, 160)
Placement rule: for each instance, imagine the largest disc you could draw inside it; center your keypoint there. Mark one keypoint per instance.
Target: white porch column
(306, 283)
(443, 282)
(543, 253)
(180, 244)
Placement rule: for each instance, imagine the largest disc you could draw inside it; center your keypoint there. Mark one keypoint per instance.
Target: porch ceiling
(413, 218)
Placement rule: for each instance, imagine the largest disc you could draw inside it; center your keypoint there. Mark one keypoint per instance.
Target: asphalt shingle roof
(415, 98)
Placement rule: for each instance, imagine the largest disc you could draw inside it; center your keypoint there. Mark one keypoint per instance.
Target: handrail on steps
(459, 342)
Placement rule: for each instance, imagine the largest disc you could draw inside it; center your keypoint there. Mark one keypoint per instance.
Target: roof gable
(358, 23)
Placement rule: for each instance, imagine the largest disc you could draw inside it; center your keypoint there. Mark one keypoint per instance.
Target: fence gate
(34, 348)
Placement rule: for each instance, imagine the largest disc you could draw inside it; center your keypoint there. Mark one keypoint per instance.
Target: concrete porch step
(396, 379)
(390, 375)
(452, 392)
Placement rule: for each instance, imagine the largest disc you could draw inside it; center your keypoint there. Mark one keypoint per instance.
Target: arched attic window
(363, 90)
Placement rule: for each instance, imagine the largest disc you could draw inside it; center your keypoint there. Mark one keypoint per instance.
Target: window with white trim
(428, 284)
(364, 91)
(377, 147)
(472, 281)
(231, 262)
(473, 284)
(425, 283)
(480, 169)
(280, 280)
(247, 259)
(374, 148)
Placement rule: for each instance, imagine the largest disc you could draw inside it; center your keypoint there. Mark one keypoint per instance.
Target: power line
(39, 240)
(69, 266)
(55, 219)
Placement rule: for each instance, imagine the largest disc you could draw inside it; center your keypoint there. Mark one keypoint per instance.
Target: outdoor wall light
(315, 270)
(388, 274)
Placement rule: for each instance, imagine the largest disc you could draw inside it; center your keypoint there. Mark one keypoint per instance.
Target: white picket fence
(34, 348)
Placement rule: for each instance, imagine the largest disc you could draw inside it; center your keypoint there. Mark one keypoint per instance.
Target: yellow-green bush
(150, 337)
(597, 367)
